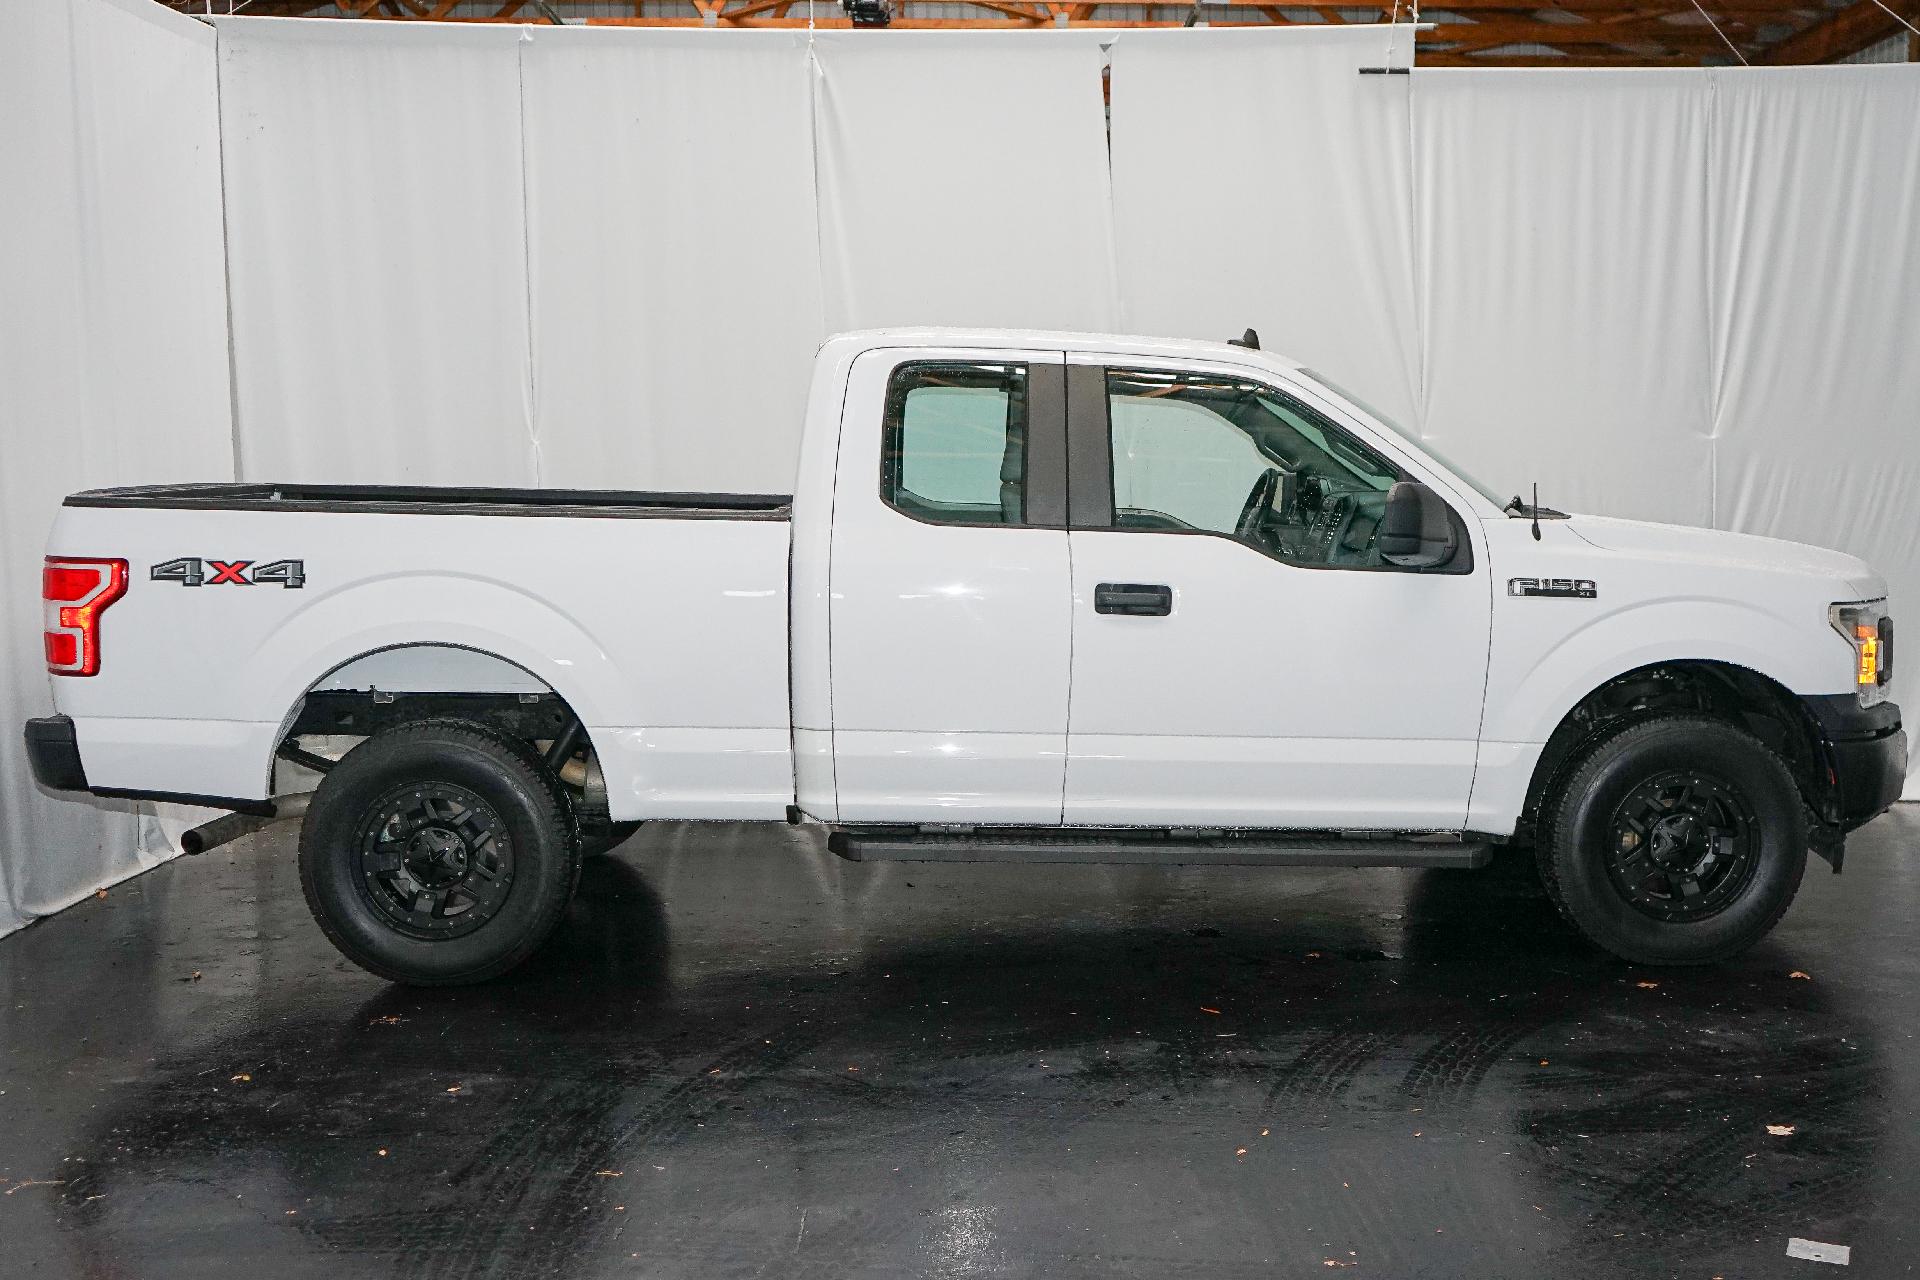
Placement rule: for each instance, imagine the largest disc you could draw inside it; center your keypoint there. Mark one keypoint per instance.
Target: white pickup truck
(1037, 597)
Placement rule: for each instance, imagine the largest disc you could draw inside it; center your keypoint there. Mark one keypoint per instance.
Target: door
(1242, 656)
(950, 596)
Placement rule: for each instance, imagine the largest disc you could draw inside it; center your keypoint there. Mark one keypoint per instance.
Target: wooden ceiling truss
(1572, 33)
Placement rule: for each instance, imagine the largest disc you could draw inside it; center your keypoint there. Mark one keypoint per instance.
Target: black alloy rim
(1683, 845)
(435, 859)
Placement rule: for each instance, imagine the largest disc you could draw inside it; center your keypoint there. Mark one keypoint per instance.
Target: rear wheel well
(335, 721)
(1740, 696)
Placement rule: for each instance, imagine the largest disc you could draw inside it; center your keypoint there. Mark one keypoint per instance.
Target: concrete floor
(742, 1057)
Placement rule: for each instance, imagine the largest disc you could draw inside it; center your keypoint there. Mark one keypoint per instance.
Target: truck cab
(1036, 596)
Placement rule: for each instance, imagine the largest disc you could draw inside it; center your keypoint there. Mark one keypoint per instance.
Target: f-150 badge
(1567, 588)
(191, 571)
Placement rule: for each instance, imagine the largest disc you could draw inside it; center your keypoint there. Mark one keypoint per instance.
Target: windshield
(1419, 444)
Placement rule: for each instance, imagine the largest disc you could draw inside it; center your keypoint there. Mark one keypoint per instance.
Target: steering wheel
(1253, 515)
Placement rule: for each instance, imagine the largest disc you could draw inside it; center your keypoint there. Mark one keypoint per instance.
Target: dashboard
(1299, 515)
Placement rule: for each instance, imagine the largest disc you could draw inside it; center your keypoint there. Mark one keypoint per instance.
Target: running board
(1252, 850)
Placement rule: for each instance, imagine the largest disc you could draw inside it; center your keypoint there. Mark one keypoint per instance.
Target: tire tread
(1576, 777)
(556, 810)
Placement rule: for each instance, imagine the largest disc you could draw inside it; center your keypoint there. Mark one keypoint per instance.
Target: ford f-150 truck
(1037, 597)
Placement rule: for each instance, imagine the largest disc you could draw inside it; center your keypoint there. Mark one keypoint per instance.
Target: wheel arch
(496, 623)
(420, 678)
(1748, 699)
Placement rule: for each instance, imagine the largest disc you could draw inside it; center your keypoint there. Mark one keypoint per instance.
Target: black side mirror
(1416, 531)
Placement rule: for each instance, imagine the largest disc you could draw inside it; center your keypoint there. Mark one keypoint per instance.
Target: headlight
(1870, 631)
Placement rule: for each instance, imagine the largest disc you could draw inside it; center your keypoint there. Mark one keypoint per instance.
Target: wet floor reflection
(742, 1057)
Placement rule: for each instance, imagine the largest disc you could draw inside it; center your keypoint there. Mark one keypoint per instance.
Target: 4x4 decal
(191, 571)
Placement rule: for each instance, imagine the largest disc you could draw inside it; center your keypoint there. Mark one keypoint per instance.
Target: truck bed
(661, 619)
(443, 500)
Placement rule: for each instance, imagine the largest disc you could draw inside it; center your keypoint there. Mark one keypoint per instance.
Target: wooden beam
(1615, 32)
(1080, 11)
(1547, 60)
(1848, 31)
(1521, 31)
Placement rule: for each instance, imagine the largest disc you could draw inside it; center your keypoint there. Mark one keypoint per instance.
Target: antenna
(1535, 510)
(1250, 340)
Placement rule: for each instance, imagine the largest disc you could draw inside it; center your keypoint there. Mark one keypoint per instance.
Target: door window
(1202, 454)
(954, 449)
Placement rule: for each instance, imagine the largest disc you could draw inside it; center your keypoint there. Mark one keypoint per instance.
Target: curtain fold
(113, 359)
(377, 251)
(1259, 180)
(1815, 185)
(963, 180)
(1563, 286)
(673, 262)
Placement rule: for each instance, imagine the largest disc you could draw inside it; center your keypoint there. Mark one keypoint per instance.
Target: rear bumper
(54, 754)
(1867, 752)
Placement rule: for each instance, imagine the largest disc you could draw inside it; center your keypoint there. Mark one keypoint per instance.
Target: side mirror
(1416, 530)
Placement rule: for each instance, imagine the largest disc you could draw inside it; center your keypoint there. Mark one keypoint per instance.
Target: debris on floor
(1814, 1251)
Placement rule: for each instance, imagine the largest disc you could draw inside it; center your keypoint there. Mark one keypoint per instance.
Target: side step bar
(1279, 849)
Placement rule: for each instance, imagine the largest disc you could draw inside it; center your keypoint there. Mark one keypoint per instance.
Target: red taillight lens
(75, 592)
(62, 650)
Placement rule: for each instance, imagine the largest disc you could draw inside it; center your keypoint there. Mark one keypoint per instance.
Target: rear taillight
(75, 592)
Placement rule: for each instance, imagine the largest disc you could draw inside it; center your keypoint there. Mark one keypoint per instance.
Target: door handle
(1142, 600)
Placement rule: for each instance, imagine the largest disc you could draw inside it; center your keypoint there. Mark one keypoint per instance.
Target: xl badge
(1566, 588)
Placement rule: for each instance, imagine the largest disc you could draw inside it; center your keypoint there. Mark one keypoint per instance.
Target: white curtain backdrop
(377, 247)
(1815, 191)
(1684, 296)
(113, 357)
(1260, 180)
(531, 255)
(963, 180)
(1563, 284)
(671, 243)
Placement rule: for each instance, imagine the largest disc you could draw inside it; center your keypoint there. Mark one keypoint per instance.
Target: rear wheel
(1679, 840)
(438, 853)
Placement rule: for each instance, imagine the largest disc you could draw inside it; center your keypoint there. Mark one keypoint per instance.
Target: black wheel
(438, 853)
(1679, 840)
(597, 842)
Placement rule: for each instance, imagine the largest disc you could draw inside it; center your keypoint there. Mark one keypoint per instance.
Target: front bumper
(54, 754)
(1866, 755)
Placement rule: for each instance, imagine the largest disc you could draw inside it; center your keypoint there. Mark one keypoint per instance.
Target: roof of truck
(1062, 340)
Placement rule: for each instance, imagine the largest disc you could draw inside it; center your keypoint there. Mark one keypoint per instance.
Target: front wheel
(438, 853)
(1679, 840)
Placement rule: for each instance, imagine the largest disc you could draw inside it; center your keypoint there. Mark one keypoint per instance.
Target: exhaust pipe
(230, 827)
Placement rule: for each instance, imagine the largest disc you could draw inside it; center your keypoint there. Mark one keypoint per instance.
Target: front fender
(1535, 680)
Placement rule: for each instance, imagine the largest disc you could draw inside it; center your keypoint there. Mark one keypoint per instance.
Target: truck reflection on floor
(973, 1068)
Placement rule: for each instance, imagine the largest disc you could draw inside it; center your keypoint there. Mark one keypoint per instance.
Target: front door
(950, 591)
(1241, 654)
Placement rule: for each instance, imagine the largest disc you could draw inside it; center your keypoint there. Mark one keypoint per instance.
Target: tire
(1679, 840)
(598, 842)
(438, 853)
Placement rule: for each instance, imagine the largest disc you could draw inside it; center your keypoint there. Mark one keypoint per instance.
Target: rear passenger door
(950, 612)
